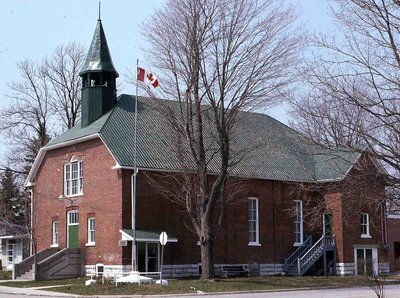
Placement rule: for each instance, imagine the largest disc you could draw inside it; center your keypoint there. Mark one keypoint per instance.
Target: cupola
(98, 79)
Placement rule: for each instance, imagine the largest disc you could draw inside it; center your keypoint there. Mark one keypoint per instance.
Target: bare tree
(329, 121)
(352, 97)
(25, 122)
(61, 70)
(48, 92)
(215, 59)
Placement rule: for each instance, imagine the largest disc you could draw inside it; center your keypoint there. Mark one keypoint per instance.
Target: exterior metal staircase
(306, 255)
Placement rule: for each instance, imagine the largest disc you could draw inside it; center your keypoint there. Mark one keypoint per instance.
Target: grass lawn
(77, 286)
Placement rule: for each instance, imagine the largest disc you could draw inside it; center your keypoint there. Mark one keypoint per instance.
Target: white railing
(315, 251)
(298, 252)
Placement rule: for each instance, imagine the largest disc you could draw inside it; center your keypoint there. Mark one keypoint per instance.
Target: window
(55, 234)
(91, 230)
(73, 218)
(298, 223)
(10, 250)
(73, 177)
(364, 218)
(253, 222)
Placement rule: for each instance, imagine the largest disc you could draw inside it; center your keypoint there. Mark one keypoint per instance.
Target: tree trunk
(207, 263)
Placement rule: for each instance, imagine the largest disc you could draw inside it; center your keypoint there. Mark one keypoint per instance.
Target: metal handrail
(298, 252)
(318, 247)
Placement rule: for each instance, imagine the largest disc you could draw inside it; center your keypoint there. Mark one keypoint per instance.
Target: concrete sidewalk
(32, 292)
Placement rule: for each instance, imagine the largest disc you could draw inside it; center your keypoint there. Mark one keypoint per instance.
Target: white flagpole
(135, 171)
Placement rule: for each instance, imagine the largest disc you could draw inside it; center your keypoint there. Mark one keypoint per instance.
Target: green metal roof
(98, 57)
(277, 151)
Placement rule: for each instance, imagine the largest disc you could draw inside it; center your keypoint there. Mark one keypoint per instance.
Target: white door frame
(324, 223)
(69, 224)
(9, 264)
(374, 249)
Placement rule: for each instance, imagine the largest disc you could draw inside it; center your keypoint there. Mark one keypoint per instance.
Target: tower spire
(98, 79)
(99, 10)
(98, 57)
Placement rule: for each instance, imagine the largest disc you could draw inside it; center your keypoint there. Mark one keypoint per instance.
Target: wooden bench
(232, 270)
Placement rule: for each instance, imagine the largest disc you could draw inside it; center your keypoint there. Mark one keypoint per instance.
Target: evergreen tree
(10, 198)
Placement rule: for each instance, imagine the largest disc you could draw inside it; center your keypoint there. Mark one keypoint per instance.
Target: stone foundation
(345, 268)
(348, 268)
(383, 267)
(270, 269)
(193, 270)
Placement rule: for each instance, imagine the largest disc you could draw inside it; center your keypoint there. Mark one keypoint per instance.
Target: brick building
(81, 187)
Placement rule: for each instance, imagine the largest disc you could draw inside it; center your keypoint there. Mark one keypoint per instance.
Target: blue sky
(33, 29)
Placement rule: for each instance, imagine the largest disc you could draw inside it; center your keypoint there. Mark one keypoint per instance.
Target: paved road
(391, 291)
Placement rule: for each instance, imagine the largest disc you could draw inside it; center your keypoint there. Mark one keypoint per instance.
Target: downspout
(274, 223)
(384, 226)
(31, 224)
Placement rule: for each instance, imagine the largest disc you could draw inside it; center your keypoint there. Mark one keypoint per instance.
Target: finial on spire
(99, 10)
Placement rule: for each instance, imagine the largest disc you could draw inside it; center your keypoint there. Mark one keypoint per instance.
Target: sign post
(163, 241)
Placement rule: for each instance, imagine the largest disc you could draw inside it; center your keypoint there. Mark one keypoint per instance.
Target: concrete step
(26, 276)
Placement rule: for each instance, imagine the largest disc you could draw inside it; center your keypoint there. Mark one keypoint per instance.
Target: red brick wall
(154, 212)
(393, 235)
(107, 195)
(347, 229)
(101, 197)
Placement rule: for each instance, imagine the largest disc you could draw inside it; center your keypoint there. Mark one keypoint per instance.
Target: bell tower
(98, 79)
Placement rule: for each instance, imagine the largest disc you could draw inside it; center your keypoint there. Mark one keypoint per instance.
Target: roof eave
(117, 166)
(42, 152)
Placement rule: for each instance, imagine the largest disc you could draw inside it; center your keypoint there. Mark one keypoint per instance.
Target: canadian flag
(147, 77)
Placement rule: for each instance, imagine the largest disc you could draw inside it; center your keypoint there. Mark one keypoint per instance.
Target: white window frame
(91, 238)
(256, 220)
(55, 233)
(298, 203)
(73, 214)
(68, 180)
(365, 224)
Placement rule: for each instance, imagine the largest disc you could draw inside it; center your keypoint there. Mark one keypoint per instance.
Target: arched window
(73, 177)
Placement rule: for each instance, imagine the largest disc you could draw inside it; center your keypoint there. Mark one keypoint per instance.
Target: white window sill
(72, 196)
(297, 244)
(54, 245)
(366, 236)
(254, 244)
(91, 244)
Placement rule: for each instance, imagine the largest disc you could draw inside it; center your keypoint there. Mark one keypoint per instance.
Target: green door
(73, 236)
(327, 224)
(73, 231)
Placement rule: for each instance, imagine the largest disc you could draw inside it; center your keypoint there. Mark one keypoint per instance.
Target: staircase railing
(309, 257)
(66, 263)
(27, 263)
(292, 259)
